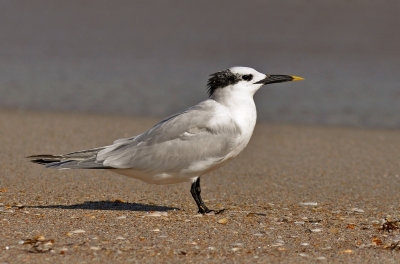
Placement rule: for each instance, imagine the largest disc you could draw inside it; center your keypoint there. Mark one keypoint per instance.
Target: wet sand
(297, 194)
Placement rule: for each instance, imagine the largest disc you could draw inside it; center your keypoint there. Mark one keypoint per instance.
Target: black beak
(279, 78)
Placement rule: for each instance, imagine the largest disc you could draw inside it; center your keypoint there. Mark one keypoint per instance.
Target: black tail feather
(44, 159)
(65, 162)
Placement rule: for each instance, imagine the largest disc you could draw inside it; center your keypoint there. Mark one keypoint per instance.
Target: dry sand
(348, 178)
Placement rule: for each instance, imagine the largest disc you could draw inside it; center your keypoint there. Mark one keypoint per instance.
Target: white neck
(241, 106)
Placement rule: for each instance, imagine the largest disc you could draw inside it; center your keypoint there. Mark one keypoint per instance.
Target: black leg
(195, 190)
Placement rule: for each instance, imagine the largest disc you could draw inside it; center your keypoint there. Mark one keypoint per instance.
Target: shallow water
(153, 58)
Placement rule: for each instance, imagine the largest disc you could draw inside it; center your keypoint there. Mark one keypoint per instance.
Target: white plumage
(188, 144)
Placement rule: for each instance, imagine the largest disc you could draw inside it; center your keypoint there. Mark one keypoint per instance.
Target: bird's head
(243, 80)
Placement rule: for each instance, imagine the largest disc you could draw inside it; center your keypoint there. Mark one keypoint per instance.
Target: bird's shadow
(110, 205)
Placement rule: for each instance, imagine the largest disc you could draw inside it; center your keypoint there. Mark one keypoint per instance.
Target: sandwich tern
(186, 145)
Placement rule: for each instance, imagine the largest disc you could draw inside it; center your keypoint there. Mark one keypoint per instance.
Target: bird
(187, 145)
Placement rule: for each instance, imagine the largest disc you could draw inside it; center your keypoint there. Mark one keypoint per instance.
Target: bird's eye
(247, 77)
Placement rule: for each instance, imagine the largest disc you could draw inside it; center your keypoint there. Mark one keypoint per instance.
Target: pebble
(278, 243)
(299, 223)
(304, 244)
(120, 238)
(223, 221)
(316, 230)
(39, 238)
(309, 204)
(211, 248)
(121, 217)
(357, 210)
(156, 230)
(235, 249)
(78, 231)
(95, 248)
(321, 258)
(326, 248)
(157, 214)
(304, 255)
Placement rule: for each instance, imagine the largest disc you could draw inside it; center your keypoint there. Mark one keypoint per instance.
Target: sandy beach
(297, 194)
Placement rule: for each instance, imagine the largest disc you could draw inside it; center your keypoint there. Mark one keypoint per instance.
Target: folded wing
(176, 143)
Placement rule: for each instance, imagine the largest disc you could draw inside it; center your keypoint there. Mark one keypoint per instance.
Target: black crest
(221, 79)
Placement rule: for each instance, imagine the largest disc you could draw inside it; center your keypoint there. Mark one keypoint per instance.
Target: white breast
(242, 110)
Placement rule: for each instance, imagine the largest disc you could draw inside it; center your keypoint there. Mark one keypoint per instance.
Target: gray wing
(176, 142)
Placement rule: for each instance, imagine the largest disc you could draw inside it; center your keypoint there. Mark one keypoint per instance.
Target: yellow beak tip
(296, 78)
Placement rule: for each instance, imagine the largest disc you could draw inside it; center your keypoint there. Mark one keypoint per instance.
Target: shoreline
(155, 119)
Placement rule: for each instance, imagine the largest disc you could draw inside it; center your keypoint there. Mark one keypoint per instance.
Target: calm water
(153, 57)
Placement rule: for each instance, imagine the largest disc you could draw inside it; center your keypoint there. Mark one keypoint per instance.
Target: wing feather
(177, 142)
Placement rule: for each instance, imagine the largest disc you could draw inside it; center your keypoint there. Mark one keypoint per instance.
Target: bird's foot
(207, 211)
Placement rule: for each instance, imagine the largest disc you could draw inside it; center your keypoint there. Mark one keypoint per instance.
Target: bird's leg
(195, 190)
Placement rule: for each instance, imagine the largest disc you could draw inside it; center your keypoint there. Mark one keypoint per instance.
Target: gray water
(153, 58)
